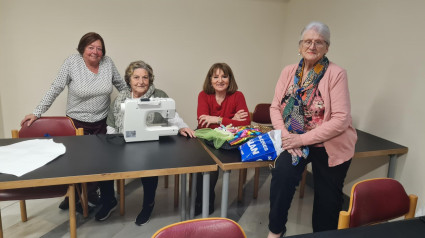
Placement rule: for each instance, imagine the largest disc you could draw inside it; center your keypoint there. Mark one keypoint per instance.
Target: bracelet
(220, 119)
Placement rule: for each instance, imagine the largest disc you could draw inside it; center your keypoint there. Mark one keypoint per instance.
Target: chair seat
(205, 228)
(33, 193)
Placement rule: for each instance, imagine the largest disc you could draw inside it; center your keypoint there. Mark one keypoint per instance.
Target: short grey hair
(320, 28)
(138, 65)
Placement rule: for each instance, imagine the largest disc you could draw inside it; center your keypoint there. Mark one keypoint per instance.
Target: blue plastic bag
(263, 147)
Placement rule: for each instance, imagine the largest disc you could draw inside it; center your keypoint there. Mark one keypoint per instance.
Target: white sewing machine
(136, 111)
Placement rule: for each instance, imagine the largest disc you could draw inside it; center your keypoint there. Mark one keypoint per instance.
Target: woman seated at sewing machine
(139, 77)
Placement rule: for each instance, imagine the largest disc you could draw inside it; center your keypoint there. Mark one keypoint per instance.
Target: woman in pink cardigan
(311, 107)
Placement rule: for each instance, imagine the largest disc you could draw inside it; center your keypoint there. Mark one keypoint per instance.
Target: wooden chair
(377, 200)
(44, 126)
(204, 227)
(176, 187)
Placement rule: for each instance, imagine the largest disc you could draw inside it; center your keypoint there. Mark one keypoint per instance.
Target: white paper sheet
(26, 156)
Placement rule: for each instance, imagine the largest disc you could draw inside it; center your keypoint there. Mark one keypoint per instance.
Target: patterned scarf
(302, 96)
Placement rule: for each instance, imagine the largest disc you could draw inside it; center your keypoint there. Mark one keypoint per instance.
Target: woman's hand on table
(187, 132)
(240, 115)
(206, 120)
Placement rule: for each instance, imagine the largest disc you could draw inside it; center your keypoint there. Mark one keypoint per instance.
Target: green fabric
(218, 137)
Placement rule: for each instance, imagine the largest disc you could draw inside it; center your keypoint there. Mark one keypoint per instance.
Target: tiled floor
(47, 220)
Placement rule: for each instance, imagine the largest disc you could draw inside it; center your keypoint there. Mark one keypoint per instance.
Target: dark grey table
(367, 145)
(107, 157)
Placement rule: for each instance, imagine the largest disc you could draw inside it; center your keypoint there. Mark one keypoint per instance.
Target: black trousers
(199, 186)
(328, 195)
(91, 128)
(149, 190)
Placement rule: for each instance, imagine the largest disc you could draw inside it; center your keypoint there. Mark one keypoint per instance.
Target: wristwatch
(220, 119)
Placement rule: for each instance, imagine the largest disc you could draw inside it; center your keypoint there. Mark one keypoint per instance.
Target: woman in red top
(219, 103)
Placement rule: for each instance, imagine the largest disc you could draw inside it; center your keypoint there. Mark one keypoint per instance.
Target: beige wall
(1, 119)
(379, 42)
(180, 39)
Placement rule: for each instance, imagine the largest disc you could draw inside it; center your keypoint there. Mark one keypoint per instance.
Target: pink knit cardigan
(336, 132)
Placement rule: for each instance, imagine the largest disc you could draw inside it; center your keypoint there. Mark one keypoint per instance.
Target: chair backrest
(261, 113)
(49, 126)
(377, 200)
(204, 227)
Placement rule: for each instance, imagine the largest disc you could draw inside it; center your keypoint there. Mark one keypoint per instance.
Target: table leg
(245, 173)
(72, 219)
(165, 181)
(1, 227)
(192, 197)
(225, 193)
(256, 182)
(176, 190)
(121, 183)
(240, 185)
(183, 197)
(84, 200)
(391, 166)
(23, 205)
(205, 194)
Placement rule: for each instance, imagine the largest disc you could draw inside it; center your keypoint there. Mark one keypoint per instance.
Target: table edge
(104, 177)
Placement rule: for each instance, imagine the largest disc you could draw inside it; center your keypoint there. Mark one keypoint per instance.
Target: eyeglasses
(319, 44)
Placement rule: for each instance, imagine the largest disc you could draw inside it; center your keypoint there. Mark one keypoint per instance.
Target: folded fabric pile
(217, 136)
(243, 134)
(232, 135)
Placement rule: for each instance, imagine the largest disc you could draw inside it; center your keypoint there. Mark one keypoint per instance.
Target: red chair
(261, 114)
(53, 126)
(48, 126)
(204, 227)
(377, 200)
